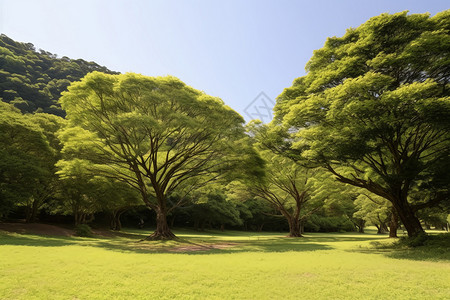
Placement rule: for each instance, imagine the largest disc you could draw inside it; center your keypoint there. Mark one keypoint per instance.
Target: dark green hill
(33, 80)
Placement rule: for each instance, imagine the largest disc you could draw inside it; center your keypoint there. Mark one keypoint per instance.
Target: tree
(46, 186)
(374, 108)
(155, 134)
(377, 211)
(24, 154)
(288, 188)
(83, 193)
(211, 207)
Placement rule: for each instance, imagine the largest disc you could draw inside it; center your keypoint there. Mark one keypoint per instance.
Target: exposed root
(160, 236)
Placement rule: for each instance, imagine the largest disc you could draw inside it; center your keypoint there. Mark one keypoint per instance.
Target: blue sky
(230, 49)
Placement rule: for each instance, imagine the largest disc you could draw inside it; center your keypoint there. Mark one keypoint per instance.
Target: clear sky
(230, 49)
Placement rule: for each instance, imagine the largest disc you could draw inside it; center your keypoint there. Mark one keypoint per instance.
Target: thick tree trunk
(294, 228)
(408, 218)
(162, 231)
(393, 224)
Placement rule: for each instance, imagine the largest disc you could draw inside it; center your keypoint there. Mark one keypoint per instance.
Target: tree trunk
(302, 226)
(162, 231)
(294, 227)
(31, 211)
(260, 227)
(408, 218)
(361, 225)
(393, 224)
(115, 219)
(222, 227)
(384, 227)
(378, 229)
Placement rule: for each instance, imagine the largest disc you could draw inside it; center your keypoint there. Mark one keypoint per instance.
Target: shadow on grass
(212, 242)
(435, 248)
(199, 245)
(35, 240)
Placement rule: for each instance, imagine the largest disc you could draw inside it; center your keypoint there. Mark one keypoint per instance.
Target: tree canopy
(374, 108)
(154, 133)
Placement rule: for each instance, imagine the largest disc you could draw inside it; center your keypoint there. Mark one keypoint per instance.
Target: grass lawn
(215, 265)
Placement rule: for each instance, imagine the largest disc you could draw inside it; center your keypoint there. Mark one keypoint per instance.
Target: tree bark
(393, 224)
(115, 219)
(162, 231)
(302, 226)
(294, 227)
(408, 218)
(398, 196)
(361, 225)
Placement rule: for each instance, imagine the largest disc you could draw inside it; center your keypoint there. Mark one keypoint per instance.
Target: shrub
(83, 230)
(413, 242)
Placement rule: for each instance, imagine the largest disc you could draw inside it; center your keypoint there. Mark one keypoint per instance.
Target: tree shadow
(213, 244)
(435, 249)
(35, 240)
(199, 245)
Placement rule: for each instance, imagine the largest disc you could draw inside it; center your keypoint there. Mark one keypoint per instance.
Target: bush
(83, 230)
(416, 241)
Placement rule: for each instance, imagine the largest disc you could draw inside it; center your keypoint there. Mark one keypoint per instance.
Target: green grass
(252, 266)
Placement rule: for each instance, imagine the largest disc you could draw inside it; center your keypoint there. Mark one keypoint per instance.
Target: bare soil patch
(36, 228)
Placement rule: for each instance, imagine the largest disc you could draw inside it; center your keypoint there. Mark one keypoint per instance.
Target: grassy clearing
(247, 266)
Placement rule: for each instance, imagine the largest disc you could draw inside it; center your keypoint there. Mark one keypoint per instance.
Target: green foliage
(33, 80)
(414, 241)
(374, 108)
(326, 223)
(432, 247)
(83, 230)
(156, 134)
(26, 159)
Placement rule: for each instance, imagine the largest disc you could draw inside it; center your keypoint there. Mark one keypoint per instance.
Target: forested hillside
(32, 79)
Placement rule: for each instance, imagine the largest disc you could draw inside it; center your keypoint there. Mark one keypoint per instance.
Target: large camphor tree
(155, 134)
(374, 110)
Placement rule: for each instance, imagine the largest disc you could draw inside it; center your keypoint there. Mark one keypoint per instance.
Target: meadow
(219, 265)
